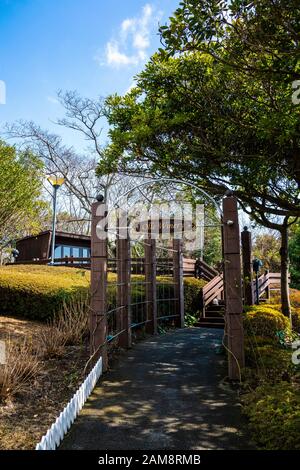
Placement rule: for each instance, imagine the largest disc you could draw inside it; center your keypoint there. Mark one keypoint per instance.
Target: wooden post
(233, 288)
(98, 319)
(247, 266)
(150, 279)
(123, 291)
(267, 289)
(178, 281)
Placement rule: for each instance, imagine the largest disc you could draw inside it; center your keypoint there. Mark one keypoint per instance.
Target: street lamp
(56, 182)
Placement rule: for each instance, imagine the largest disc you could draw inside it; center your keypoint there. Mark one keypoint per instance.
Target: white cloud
(128, 25)
(130, 45)
(115, 56)
(52, 100)
(140, 41)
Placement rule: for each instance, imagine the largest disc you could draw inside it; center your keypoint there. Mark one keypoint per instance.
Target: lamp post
(257, 264)
(56, 182)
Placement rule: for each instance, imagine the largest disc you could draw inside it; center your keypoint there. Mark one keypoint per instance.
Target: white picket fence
(56, 433)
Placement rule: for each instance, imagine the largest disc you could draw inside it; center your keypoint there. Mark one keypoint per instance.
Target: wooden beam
(178, 281)
(150, 279)
(233, 288)
(98, 319)
(123, 291)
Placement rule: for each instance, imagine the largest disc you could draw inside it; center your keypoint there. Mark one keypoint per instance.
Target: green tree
(266, 247)
(199, 115)
(21, 203)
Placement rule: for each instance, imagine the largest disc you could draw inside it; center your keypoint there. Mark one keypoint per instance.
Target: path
(166, 393)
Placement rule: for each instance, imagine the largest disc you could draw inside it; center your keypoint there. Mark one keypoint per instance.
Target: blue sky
(93, 46)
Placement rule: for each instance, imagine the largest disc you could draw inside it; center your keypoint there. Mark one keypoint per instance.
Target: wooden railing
(205, 271)
(213, 289)
(267, 282)
(66, 261)
(198, 268)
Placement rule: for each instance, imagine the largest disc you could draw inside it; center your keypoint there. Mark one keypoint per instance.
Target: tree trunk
(284, 255)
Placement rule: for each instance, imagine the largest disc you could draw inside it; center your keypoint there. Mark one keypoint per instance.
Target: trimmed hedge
(266, 360)
(264, 320)
(273, 411)
(296, 319)
(272, 396)
(37, 292)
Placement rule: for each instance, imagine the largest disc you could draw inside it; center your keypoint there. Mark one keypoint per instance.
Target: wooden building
(38, 247)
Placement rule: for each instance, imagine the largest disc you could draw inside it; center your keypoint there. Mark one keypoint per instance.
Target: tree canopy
(197, 115)
(214, 106)
(21, 202)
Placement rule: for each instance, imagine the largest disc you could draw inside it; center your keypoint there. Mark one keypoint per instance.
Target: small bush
(22, 365)
(274, 415)
(295, 298)
(52, 342)
(272, 400)
(267, 361)
(72, 320)
(264, 321)
(192, 294)
(68, 327)
(296, 319)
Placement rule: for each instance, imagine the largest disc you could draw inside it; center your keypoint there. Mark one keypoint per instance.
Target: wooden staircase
(213, 304)
(214, 316)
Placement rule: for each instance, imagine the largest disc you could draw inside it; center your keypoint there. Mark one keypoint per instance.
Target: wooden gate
(135, 290)
(136, 286)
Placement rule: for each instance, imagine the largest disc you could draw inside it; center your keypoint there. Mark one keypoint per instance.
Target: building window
(63, 251)
(58, 251)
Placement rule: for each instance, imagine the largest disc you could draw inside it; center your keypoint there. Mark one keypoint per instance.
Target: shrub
(295, 298)
(263, 320)
(22, 365)
(296, 319)
(192, 294)
(274, 415)
(272, 401)
(52, 342)
(266, 360)
(38, 292)
(72, 320)
(68, 327)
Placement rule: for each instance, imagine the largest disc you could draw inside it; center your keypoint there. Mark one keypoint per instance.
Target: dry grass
(69, 327)
(30, 410)
(52, 343)
(72, 320)
(22, 365)
(18, 328)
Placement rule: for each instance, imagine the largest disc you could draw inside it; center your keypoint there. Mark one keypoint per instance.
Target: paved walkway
(165, 393)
